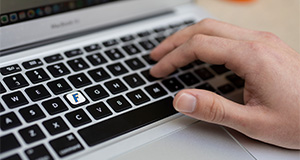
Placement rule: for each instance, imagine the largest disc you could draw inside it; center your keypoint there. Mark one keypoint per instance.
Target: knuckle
(215, 111)
(268, 36)
(197, 39)
(256, 47)
(207, 21)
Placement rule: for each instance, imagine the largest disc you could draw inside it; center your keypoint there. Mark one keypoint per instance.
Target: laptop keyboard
(107, 82)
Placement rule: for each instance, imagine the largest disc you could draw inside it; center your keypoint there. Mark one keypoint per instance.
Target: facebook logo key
(76, 98)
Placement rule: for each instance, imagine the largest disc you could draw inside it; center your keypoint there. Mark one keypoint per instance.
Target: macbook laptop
(75, 83)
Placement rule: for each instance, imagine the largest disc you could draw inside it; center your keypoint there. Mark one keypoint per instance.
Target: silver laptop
(75, 83)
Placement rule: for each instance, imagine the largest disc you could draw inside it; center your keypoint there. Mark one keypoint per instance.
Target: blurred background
(281, 17)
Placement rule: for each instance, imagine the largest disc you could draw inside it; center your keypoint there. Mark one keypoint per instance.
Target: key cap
(32, 113)
(8, 142)
(10, 69)
(32, 63)
(37, 75)
(76, 99)
(13, 157)
(226, 88)
(198, 62)
(58, 70)
(59, 86)
(66, 145)
(159, 29)
(92, 47)
(99, 74)
(99, 110)
(79, 80)
(37, 93)
(96, 59)
(54, 106)
(14, 99)
(78, 64)
(78, 118)
(114, 54)
(110, 42)
(155, 90)
(189, 79)
(131, 49)
(138, 97)
(9, 120)
(74, 52)
(117, 69)
(127, 38)
(15, 82)
(206, 86)
(172, 84)
(38, 153)
(55, 125)
(175, 25)
(189, 66)
(32, 134)
(134, 80)
(204, 74)
(119, 103)
(219, 69)
(189, 22)
(96, 92)
(143, 34)
(160, 38)
(236, 80)
(1, 108)
(2, 89)
(115, 86)
(53, 58)
(147, 44)
(148, 76)
(127, 122)
(134, 63)
(149, 60)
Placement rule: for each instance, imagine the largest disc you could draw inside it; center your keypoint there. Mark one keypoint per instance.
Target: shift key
(66, 145)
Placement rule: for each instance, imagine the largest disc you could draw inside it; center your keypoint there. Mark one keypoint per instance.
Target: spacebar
(127, 122)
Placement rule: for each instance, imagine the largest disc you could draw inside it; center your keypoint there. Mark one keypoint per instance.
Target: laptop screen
(16, 11)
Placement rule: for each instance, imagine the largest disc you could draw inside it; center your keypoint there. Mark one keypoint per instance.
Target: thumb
(210, 107)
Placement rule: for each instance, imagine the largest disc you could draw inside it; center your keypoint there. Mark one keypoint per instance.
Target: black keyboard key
(156, 90)
(32, 134)
(131, 49)
(96, 92)
(54, 106)
(148, 76)
(13, 157)
(32, 113)
(38, 153)
(175, 25)
(37, 75)
(198, 62)
(10, 69)
(114, 54)
(119, 103)
(8, 142)
(2, 89)
(14, 99)
(1, 108)
(58, 70)
(172, 84)
(66, 145)
(92, 47)
(189, 21)
(73, 53)
(37, 93)
(189, 79)
(148, 59)
(138, 97)
(236, 80)
(115, 86)
(127, 38)
(96, 59)
(147, 44)
(135, 63)
(15, 82)
(134, 80)
(110, 42)
(204, 74)
(76, 99)
(79, 80)
(59, 86)
(117, 69)
(159, 29)
(99, 74)
(206, 86)
(99, 110)
(9, 120)
(226, 88)
(160, 38)
(127, 122)
(32, 63)
(55, 125)
(144, 34)
(78, 64)
(53, 58)
(189, 66)
(78, 118)
(219, 69)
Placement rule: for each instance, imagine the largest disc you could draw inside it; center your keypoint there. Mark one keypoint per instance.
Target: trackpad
(198, 141)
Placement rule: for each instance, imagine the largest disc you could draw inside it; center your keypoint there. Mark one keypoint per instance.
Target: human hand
(271, 69)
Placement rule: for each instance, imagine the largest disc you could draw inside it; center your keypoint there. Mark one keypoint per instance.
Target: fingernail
(186, 103)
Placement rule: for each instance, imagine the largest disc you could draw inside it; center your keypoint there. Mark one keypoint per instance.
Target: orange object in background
(241, 0)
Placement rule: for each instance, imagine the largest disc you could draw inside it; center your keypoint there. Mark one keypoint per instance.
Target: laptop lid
(31, 21)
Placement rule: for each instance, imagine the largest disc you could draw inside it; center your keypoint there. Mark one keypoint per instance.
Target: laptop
(75, 83)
